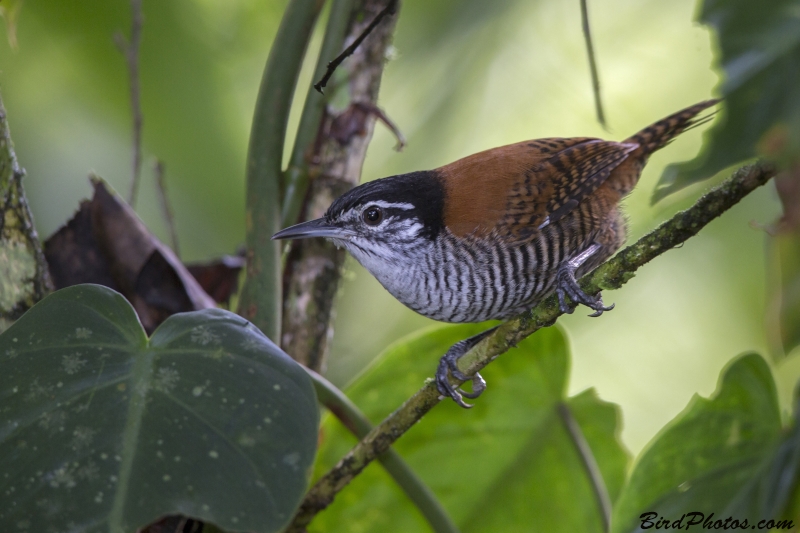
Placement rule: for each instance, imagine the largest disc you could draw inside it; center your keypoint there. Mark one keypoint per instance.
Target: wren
(492, 234)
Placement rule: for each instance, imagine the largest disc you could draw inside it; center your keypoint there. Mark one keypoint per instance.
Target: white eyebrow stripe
(390, 205)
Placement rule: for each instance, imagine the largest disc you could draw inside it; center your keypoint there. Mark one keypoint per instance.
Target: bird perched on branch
(492, 234)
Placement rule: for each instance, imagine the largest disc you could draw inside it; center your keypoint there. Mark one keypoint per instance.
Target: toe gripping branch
(567, 285)
(448, 366)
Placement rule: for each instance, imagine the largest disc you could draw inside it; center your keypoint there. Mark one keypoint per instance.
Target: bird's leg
(448, 365)
(567, 285)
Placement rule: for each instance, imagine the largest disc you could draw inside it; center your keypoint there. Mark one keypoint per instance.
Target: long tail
(658, 135)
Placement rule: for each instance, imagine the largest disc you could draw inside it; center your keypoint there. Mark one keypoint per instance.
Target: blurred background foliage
(758, 51)
(464, 75)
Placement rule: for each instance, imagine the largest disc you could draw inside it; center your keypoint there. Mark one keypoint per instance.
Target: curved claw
(478, 383)
(456, 393)
(457, 398)
(567, 286)
(448, 366)
(444, 386)
(478, 386)
(599, 310)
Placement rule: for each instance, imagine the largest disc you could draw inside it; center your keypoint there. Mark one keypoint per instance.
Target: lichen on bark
(24, 278)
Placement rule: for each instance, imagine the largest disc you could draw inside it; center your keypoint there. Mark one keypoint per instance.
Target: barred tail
(658, 135)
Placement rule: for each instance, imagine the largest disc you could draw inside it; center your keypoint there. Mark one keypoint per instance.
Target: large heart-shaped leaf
(508, 464)
(725, 456)
(103, 430)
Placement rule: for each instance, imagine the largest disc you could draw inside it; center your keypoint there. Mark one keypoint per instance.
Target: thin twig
(388, 10)
(587, 34)
(166, 207)
(609, 276)
(589, 463)
(405, 477)
(131, 52)
(381, 115)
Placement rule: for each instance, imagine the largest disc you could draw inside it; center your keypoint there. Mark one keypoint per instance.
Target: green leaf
(759, 55)
(723, 455)
(509, 460)
(101, 430)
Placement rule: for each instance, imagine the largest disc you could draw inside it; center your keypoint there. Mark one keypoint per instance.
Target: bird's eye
(372, 215)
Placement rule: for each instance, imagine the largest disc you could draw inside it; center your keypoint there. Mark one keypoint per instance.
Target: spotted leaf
(103, 429)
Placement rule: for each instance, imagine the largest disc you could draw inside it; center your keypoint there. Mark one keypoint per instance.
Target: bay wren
(492, 234)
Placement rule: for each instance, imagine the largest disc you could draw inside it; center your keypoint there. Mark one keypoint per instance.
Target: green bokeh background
(464, 76)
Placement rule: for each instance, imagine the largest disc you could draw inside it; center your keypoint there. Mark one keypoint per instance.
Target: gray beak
(312, 228)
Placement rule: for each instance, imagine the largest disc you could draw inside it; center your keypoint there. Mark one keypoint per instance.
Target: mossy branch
(610, 275)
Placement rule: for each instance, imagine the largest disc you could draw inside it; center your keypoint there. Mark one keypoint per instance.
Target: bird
(490, 235)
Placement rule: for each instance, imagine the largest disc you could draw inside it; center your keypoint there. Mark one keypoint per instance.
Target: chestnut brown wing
(520, 188)
(575, 173)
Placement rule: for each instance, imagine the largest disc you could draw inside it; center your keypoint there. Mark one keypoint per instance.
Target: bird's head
(381, 220)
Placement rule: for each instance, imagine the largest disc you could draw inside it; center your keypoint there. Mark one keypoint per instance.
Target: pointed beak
(312, 228)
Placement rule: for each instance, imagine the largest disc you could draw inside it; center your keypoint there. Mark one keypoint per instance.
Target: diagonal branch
(611, 275)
